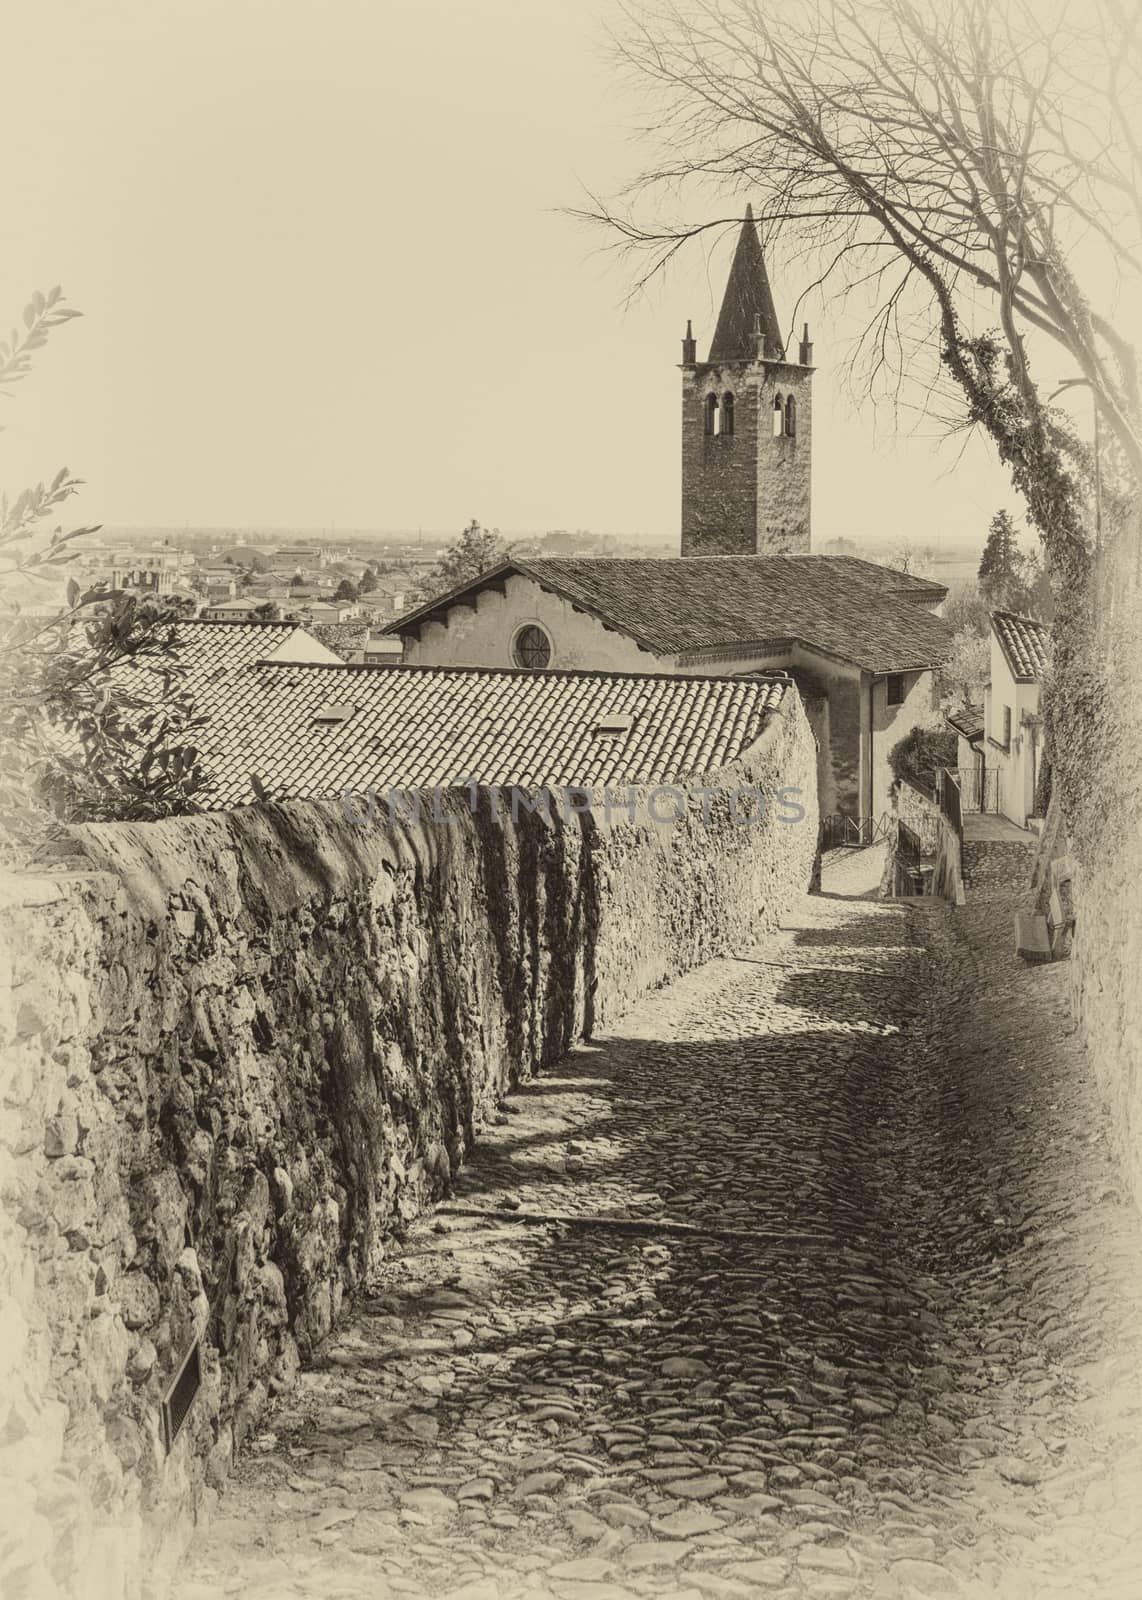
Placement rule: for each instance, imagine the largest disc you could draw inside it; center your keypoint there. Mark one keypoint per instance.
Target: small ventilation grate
(333, 712)
(611, 724)
(180, 1396)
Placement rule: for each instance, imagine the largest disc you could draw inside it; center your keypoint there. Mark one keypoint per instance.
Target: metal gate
(842, 829)
(979, 787)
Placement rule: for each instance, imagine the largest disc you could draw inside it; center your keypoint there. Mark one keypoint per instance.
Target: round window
(532, 647)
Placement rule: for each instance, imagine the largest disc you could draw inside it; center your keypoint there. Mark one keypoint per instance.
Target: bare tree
(972, 171)
(951, 160)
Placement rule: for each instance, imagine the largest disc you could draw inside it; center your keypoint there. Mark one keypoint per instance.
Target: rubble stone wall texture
(243, 1051)
(784, 477)
(746, 493)
(920, 812)
(1107, 949)
(948, 872)
(720, 471)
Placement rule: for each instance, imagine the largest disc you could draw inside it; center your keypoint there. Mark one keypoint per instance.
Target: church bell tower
(747, 424)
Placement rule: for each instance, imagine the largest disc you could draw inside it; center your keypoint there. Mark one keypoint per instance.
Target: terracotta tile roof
(1024, 644)
(216, 655)
(311, 731)
(860, 612)
(968, 722)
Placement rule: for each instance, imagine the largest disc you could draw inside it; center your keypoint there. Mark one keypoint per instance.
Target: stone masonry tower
(747, 424)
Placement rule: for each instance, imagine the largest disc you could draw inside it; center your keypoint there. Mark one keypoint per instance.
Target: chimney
(758, 336)
(806, 348)
(689, 347)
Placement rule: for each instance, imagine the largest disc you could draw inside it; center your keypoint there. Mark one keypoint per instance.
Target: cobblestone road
(812, 1279)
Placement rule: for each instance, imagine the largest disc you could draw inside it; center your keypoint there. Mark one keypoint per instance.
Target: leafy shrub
(93, 723)
(920, 754)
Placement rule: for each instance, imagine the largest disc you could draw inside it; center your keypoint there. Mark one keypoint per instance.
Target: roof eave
(494, 578)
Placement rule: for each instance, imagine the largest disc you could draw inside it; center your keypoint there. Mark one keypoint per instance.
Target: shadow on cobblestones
(812, 1280)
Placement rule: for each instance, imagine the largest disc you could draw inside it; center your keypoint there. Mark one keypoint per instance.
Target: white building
(1000, 754)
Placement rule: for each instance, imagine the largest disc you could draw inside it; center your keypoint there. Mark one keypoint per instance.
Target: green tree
(1040, 595)
(917, 756)
(93, 722)
(346, 590)
(966, 610)
(368, 583)
(1001, 567)
(476, 551)
(967, 668)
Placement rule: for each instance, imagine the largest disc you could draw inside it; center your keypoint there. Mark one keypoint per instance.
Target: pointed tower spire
(747, 300)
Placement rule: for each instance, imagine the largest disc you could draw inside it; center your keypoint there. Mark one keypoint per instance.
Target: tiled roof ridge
(236, 622)
(777, 673)
(1021, 616)
(915, 580)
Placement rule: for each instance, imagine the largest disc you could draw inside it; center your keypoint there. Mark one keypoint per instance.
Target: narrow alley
(813, 1278)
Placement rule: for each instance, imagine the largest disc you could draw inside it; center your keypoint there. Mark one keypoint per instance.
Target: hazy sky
(325, 281)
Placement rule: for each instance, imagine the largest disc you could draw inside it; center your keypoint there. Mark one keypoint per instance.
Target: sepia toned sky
(325, 281)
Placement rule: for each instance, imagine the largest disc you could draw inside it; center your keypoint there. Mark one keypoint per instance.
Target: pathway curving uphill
(812, 1279)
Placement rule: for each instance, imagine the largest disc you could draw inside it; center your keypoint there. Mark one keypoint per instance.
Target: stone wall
(1106, 744)
(747, 493)
(948, 873)
(920, 812)
(242, 1051)
(720, 471)
(784, 465)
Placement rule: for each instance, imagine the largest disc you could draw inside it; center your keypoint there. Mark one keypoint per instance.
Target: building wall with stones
(1107, 950)
(920, 812)
(948, 872)
(749, 492)
(719, 471)
(242, 1050)
(784, 465)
